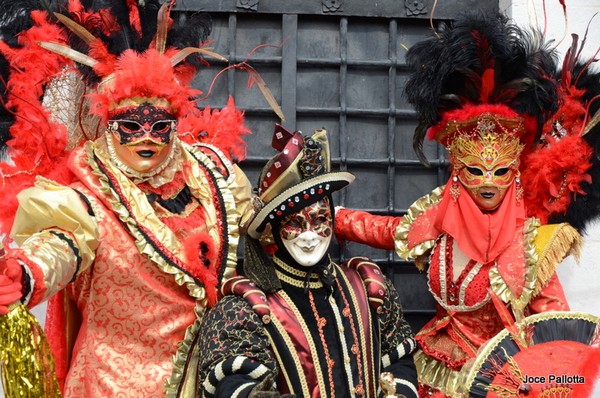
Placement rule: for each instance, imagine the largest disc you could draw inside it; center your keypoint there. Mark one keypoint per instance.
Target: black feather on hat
(480, 59)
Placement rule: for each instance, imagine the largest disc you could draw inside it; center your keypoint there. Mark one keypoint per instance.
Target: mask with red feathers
(147, 80)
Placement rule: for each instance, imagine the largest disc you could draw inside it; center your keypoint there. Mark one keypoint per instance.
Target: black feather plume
(480, 58)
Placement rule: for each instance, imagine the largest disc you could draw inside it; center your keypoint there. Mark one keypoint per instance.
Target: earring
(455, 188)
(519, 189)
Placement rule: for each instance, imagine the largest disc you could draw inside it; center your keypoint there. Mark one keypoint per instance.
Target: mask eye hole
(293, 223)
(319, 221)
(131, 126)
(161, 126)
(475, 171)
(501, 172)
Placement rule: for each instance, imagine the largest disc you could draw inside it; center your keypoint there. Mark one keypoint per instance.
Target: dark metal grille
(345, 71)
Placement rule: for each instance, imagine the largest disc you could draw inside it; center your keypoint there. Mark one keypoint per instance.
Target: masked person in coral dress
(131, 230)
(483, 89)
(315, 328)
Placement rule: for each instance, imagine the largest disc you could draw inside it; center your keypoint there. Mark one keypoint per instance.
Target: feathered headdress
(559, 182)
(478, 65)
(71, 66)
(572, 140)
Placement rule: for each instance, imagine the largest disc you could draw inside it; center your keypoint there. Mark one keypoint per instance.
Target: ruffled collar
(160, 176)
(315, 277)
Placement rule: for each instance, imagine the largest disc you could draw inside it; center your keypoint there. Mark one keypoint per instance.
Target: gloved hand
(11, 275)
(266, 389)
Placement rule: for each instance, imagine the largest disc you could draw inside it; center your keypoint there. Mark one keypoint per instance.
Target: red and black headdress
(69, 67)
(480, 64)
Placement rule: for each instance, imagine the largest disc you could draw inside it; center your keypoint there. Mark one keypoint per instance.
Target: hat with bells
(296, 177)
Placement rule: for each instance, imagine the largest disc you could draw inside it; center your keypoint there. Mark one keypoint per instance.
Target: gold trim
(417, 209)
(499, 286)
(145, 214)
(296, 283)
(292, 270)
(288, 341)
(435, 374)
(186, 360)
(368, 376)
(308, 334)
(282, 267)
(443, 299)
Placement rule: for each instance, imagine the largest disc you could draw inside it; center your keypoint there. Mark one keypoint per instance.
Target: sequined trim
(443, 300)
(414, 211)
(499, 286)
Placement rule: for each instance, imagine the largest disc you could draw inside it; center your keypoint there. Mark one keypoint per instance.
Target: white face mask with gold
(307, 234)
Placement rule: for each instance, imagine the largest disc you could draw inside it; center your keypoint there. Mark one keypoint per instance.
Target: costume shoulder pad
(245, 288)
(373, 279)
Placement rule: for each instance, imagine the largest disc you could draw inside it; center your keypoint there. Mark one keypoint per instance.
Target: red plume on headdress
(558, 166)
(38, 144)
(68, 72)
(149, 75)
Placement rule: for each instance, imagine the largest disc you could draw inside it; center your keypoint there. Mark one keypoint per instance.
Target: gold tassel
(554, 243)
(26, 360)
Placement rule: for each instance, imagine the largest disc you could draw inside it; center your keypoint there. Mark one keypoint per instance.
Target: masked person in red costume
(483, 88)
(315, 328)
(134, 228)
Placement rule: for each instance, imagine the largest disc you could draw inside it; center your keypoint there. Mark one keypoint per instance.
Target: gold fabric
(49, 206)
(27, 363)
(499, 285)
(436, 374)
(553, 243)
